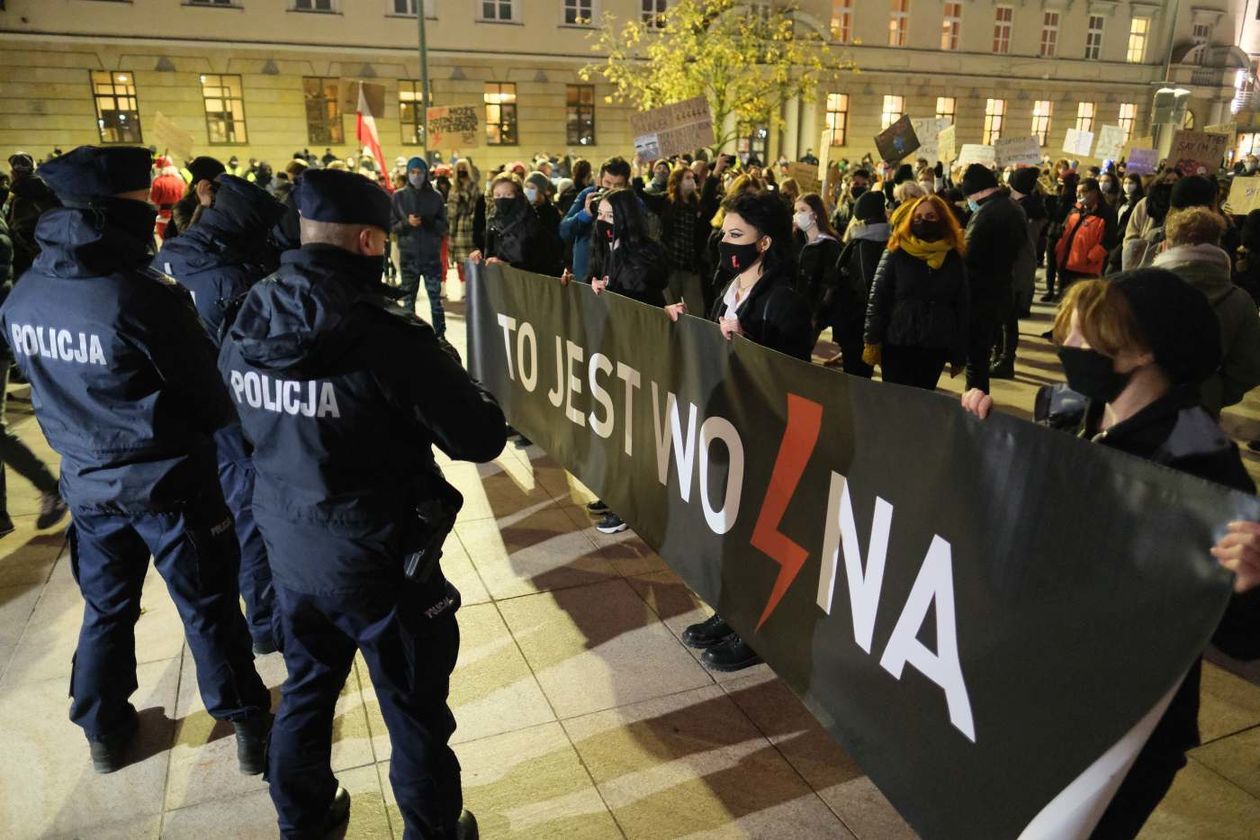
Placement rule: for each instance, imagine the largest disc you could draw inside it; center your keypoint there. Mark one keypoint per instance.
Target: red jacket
(1081, 248)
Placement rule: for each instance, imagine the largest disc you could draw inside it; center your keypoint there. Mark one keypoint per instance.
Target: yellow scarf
(933, 253)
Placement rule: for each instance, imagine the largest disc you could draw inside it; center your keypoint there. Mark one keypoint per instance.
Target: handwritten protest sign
(453, 127)
(898, 141)
(806, 175)
(947, 143)
(674, 129)
(1197, 152)
(1230, 128)
(173, 138)
(928, 130)
(1110, 143)
(1018, 151)
(976, 153)
(1079, 143)
(1142, 161)
(1244, 196)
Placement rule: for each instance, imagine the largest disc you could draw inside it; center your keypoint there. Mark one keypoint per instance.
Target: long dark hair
(769, 216)
(581, 173)
(630, 230)
(815, 203)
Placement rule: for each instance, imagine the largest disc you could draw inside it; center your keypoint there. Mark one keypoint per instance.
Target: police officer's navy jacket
(217, 260)
(122, 372)
(342, 396)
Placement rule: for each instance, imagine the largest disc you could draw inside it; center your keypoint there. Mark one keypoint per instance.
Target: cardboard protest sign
(454, 127)
(806, 175)
(898, 141)
(1197, 152)
(1230, 128)
(977, 153)
(675, 129)
(1080, 143)
(1018, 151)
(373, 95)
(173, 138)
(1110, 143)
(947, 144)
(1244, 196)
(1142, 161)
(928, 130)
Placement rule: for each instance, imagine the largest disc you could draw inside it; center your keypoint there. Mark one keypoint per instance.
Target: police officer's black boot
(712, 631)
(251, 743)
(338, 810)
(466, 828)
(110, 752)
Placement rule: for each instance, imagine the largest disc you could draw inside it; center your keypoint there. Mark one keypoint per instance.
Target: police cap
(245, 201)
(330, 195)
(97, 171)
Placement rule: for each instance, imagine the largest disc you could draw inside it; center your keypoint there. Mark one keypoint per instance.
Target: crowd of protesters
(912, 269)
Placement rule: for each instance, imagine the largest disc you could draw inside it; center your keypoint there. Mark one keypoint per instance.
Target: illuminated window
(323, 110)
(1049, 34)
(579, 103)
(1085, 116)
(224, 101)
(1093, 38)
(994, 113)
(842, 20)
(898, 23)
(577, 12)
(653, 13)
(946, 108)
(1043, 109)
(894, 107)
(1002, 17)
(411, 111)
(500, 99)
(117, 109)
(951, 26)
(838, 117)
(1138, 30)
(1127, 119)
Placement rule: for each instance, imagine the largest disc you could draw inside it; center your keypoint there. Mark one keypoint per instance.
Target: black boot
(466, 829)
(712, 631)
(251, 743)
(734, 654)
(338, 810)
(1003, 368)
(109, 753)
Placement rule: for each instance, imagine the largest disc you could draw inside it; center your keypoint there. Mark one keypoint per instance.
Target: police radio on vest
(54, 343)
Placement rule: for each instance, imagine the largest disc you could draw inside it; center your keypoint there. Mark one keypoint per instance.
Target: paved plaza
(581, 714)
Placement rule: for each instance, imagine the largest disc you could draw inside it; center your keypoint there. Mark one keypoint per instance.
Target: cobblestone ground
(580, 713)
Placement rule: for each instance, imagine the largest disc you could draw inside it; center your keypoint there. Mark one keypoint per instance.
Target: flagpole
(424, 78)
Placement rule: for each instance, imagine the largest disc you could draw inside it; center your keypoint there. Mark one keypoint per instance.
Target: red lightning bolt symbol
(804, 420)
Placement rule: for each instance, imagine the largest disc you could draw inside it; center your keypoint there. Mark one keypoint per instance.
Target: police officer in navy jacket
(343, 397)
(218, 259)
(124, 386)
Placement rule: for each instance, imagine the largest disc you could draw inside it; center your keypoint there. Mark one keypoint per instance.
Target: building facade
(259, 78)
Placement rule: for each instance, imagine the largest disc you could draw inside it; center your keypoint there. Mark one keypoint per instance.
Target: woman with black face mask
(760, 304)
(513, 233)
(917, 315)
(1137, 347)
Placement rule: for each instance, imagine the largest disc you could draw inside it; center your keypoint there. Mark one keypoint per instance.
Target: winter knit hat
(905, 172)
(205, 168)
(1194, 191)
(1024, 180)
(978, 178)
(1177, 322)
(870, 207)
(541, 181)
(417, 163)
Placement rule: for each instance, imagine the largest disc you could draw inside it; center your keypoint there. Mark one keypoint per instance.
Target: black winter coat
(857, 265)
(419, 245)
(995, 234)
(522, 242)
(773, 315)
(818, 275)
(29, 198)
(915, 305)
(641, 272)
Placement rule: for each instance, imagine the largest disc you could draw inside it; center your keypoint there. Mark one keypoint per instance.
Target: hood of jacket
(217, 239)
(301, 318)
(82, 242)
(870, 231)
(1206, 267)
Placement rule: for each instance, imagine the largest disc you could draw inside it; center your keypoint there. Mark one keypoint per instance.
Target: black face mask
(604, 230)
(926, 230)
(856, 192)
(738, 257)
(503, 206)
(1091, 374)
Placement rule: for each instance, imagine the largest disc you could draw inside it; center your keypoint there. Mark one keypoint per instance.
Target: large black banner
(978, 611)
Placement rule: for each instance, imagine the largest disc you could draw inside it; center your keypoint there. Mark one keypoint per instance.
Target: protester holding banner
(845, 310)
(575, 228)
(1137, 347)
(759, 304)
(818, 269)
(683, 233)
(920, 306)
(1193, 253)
(513, 233)
(717, 274)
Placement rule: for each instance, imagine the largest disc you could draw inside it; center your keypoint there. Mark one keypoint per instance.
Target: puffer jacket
(773, 315)
(915, 305)
(1087, 239)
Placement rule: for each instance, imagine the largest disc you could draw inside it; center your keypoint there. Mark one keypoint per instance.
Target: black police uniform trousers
(410, 640)
(236, 478)
(410, 271)
(194, 549)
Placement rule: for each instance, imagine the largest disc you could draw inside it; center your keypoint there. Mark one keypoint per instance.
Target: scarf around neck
(933, 253)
